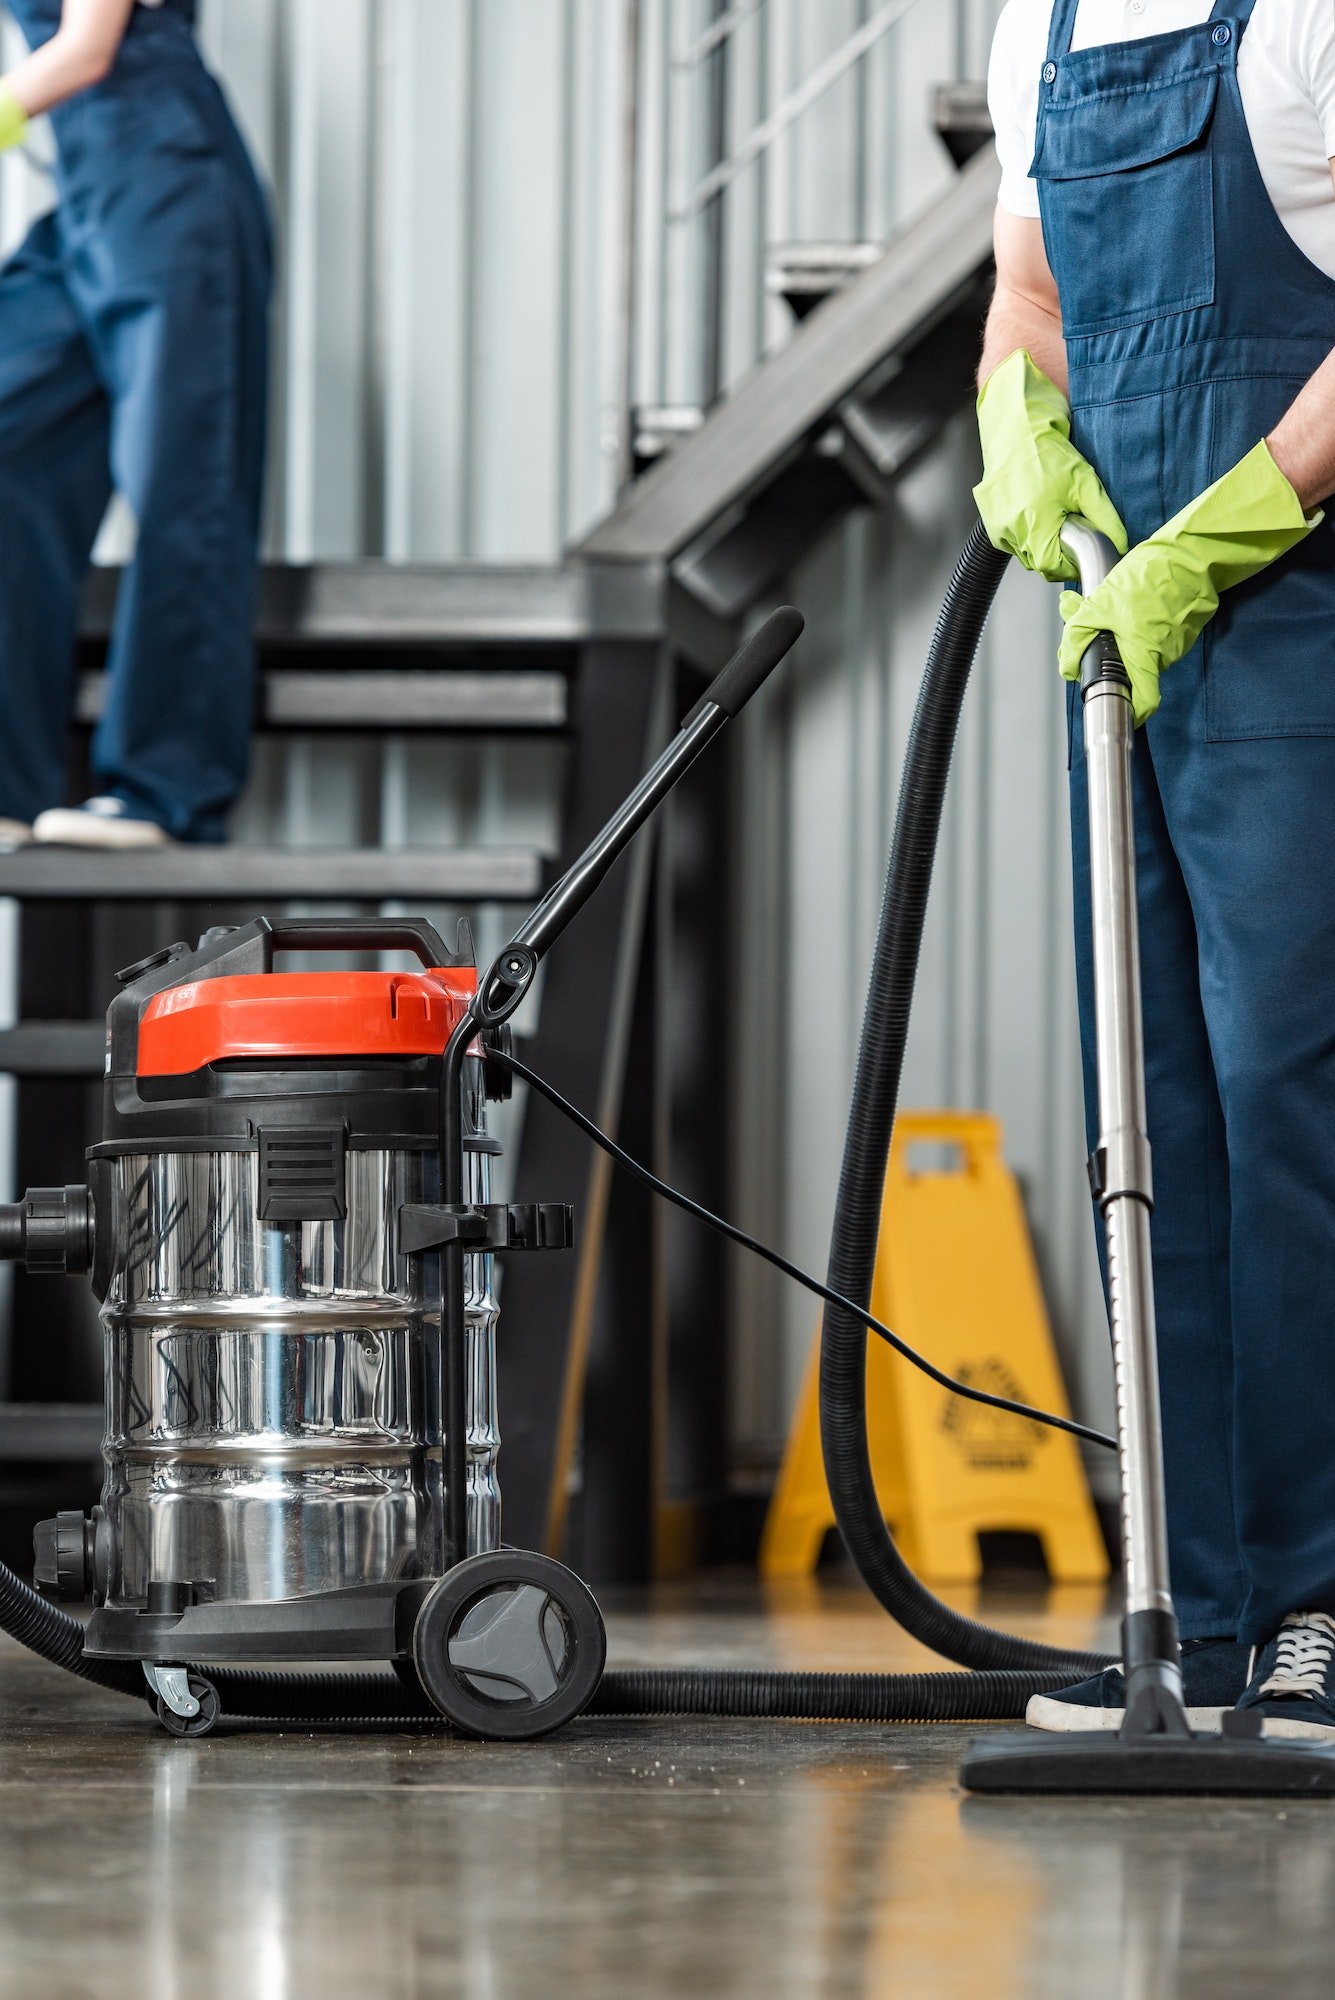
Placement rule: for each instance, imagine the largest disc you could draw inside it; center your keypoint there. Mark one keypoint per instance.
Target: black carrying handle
(361, 934)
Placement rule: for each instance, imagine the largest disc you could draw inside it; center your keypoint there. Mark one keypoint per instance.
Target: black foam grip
(731, 689)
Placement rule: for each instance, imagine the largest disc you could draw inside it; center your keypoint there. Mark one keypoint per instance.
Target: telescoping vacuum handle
(1120, 1167)
(511, 974)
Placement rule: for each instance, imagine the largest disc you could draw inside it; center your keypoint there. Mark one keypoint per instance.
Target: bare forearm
(1302, 443)
(80, 53)
(1016, 320)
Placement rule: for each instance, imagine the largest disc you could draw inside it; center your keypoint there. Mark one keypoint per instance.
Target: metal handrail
(762, 136)
(717, 33)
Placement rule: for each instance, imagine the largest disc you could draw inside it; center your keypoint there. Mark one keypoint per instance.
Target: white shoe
(14, 833)
(106, 823)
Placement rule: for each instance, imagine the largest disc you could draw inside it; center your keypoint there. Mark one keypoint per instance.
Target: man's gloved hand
(13, 118)
(1159, 599)
(1033, 476)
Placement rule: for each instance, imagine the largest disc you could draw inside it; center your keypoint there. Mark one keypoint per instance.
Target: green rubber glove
(1033, 476)
(1158, 600)
(13, 118)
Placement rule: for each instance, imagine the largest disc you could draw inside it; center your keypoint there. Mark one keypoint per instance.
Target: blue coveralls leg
(1191, 321)
(161, 238)
(54, 487)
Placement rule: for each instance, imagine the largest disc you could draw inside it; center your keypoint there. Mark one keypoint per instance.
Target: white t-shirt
(1286, 74)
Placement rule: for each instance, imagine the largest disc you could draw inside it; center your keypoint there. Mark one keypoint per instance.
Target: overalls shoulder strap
(1061, 28)
(1233, 10)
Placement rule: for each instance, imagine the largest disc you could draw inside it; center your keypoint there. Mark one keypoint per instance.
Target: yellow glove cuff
(1017, 389)
(13, 118)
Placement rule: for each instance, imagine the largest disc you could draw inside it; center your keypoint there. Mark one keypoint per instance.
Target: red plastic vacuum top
(302, 1014)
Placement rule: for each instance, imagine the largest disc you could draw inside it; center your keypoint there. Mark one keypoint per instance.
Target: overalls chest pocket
(1125, 189)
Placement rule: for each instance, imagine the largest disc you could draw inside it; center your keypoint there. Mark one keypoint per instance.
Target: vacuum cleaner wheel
(200, 1724)
(510, 1645)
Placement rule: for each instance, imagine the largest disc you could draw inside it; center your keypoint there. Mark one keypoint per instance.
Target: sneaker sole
(108, 839)
(1286, 1729)
(1067, 1718)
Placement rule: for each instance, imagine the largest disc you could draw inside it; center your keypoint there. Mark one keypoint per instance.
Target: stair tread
(237, 874)
(391, 698)
(392, 604)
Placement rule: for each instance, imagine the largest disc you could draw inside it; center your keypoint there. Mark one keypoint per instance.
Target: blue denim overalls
(133, 337)
(1191, 321)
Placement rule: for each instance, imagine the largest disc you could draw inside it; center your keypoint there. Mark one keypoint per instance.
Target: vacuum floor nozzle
(1093, 1762)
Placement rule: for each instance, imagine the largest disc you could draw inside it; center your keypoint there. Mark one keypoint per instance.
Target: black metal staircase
(475, 651)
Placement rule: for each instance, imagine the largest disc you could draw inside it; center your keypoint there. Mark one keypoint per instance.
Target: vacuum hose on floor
(1004, 1670)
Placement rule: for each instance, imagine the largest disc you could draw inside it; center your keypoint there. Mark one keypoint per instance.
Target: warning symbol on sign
(992, 1440)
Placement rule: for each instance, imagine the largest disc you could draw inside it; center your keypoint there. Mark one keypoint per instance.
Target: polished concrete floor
(626, 1861)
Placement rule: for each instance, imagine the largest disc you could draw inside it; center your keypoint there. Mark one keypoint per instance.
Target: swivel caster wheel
(187, 1704)
(510, 1645)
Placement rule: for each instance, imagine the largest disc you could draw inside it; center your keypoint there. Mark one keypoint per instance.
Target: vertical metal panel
(426, 235)
(328, 280)
(447, 180)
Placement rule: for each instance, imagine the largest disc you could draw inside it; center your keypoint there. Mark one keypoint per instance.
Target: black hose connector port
(50, 1229)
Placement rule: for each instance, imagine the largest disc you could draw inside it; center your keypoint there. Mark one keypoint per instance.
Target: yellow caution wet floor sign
(955, 1275)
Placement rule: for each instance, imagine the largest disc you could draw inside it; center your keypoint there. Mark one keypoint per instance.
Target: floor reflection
(624, 1861)
(1169, 1899)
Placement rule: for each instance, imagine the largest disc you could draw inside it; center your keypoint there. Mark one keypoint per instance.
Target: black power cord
(735, 1235)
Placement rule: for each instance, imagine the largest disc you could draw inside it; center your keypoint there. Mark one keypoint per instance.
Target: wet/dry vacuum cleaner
(288, 1222)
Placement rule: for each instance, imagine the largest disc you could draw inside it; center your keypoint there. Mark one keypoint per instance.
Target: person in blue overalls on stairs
(133, 356)
(1160, 356)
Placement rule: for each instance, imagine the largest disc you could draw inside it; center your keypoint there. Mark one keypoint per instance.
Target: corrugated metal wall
(449, 178)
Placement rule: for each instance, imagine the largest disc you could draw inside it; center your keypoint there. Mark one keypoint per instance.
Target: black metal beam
(31, 1433)
(893, 424)
(624, 1414)
(555, 1310)
(962, 119)
(259, 874)
(757, 549)
(53, 1048)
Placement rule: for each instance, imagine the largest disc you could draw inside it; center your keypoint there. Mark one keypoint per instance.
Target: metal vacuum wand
(1155, 1751)
(1120, 1168)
